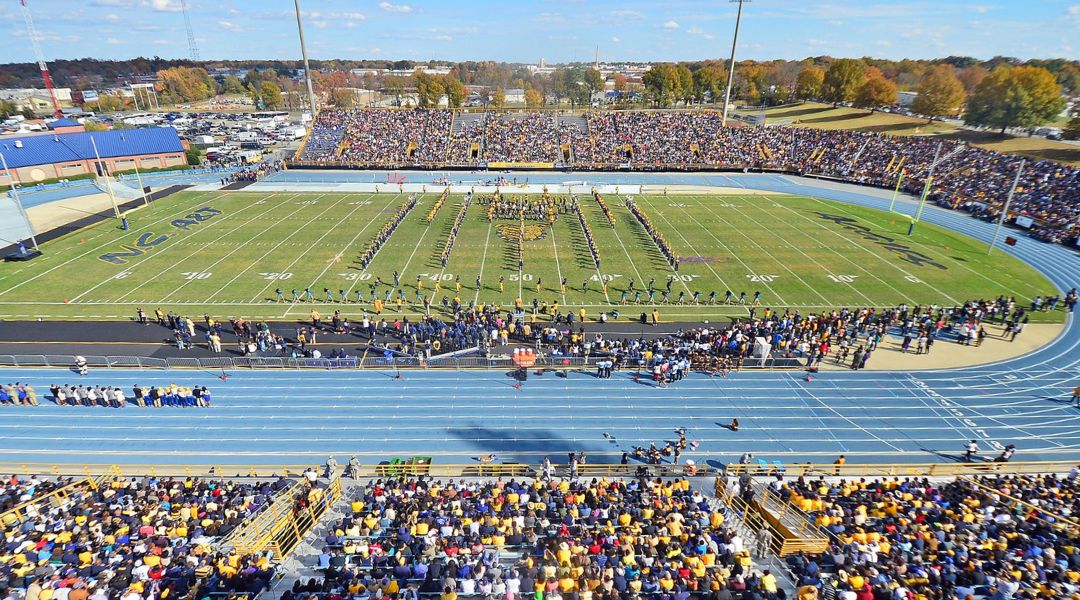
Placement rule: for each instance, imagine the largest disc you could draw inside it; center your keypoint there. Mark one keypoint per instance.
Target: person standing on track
(1076, 396)
(972, 450)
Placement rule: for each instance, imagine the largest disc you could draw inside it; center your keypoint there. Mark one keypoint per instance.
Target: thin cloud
(615, 40)
(396, 8)
(670, 25)
(230, 26)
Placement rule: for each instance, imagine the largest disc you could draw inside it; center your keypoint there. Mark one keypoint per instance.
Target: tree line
(1010, 95)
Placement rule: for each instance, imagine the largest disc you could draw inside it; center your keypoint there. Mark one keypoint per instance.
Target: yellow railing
(475, 469)
(785, 529)
(282, 526)
(1051, 518)
(949, 469)
(480, 469)
(18, 514)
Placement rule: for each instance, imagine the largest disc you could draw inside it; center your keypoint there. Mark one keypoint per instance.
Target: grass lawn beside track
(797, 251)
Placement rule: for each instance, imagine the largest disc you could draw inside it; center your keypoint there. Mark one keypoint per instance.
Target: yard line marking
(392, 201)
(743, 263)
(267, 253)
(405, 267)
(180, 243)
(303, 253)
(483, 259)
(758, 246)
(558, 269)
(169, 217)
(932, 249)
(634, 222)
(824, 269)
(691, 247)
(352, 241)
(633, 265)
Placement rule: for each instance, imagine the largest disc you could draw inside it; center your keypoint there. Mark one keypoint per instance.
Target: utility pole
(307, 68)
(1005, 210)
(731, 67)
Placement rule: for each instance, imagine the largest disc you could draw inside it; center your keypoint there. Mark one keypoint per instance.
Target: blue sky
(558, 30)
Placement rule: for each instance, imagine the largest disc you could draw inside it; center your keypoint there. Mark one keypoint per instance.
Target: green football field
(226, 254)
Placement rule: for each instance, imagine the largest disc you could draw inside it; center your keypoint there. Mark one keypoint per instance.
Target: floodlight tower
(731, 67)
(32, 32)
(193, 49)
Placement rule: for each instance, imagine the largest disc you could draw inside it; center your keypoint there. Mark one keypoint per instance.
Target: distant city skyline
(558, 31)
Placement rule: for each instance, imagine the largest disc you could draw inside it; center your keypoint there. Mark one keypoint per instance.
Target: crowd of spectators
(388, 137)
(904, 538)
(966, 177)
(254, 172)
(531, 539)
(139, 538)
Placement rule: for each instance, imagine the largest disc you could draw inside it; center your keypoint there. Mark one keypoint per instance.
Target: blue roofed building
(34, 158)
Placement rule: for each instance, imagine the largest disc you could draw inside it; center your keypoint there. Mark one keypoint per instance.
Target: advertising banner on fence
(1024, 222)
(520, 165)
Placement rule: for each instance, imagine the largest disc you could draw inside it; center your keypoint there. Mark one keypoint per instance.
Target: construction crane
(192, 48)
(32, 32)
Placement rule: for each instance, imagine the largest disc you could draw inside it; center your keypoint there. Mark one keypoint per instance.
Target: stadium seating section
(132, 538)
(991, 536)
(969, 178)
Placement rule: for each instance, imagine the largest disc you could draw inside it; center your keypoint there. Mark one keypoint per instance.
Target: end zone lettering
(904, 252)
(148, 241)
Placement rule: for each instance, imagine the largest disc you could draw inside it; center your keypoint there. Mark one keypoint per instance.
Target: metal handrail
(942, 469)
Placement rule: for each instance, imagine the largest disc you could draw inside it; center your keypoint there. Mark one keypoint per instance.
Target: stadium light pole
(1005, 210)
(18, 200)
(307, 68)
(731, 67)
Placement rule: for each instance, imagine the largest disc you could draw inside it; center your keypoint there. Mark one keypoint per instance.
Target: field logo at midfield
(148, 241)
(531, 233)
(904, 252)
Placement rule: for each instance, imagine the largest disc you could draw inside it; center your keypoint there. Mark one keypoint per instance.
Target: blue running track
(275, 417)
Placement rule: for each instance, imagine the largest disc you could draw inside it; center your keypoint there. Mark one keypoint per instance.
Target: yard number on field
(355, 276)
(762, 278)
(843, 278)
(192, 275)
(275, 276)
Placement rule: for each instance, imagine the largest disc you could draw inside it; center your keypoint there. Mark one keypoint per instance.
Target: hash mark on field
(825, 269)
(177, 244)
(333, 261)
(302, 254)
(300, 207)
(782, 264)
(169, 217)
(483, 259)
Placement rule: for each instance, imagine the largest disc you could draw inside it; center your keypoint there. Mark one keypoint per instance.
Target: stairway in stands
(577, 121)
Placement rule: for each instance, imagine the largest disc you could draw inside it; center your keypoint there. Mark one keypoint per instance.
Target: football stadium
(676, 325)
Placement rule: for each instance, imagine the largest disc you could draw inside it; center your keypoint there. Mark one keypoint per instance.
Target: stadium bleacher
(969, 178)
(132, 538)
